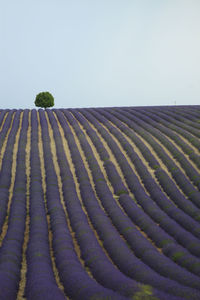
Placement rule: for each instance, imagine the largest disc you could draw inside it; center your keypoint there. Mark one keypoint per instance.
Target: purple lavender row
(169, 248)
(150, 118)
(114, 245)
(40, 280)
(2, 115)
(145, 122)
(177, 174)
(101, 267)
(11, 249)
(183, 237)
(119, 187)
(140, 245)
(168, 129)
(189, 112)
(180, 121)
(168, 121)
(192, 110)
(5, 128)
(155, 231)
(5, 174)
(189, 169)
(76, 282)
(165, 181)
(184, 115)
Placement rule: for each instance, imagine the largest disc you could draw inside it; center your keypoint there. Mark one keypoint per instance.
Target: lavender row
(142, 247)
(183, 237)
(154, 189)
(5, 174)
(40, 280)
(187, 115)
(149, 183)
(177, 174)
(143, 121)
(167, 128)
(77, 283)
(166, 183)
(6, 126)
(11, 249)
(179, 121)
(169, 247)
(2, 115)
(159, 119)
(120, 189)
(168, 121)
(123, 257)
(101, 267)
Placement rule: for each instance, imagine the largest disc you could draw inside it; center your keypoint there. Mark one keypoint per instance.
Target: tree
(44, 99)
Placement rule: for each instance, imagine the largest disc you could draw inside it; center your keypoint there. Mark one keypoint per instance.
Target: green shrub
(44, 99)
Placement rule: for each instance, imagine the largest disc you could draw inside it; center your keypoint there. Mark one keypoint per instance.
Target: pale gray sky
(91, 53)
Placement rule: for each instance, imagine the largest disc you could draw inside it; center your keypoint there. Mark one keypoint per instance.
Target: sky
(100, 53)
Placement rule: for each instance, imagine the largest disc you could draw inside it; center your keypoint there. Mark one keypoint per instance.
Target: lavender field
(100, 203)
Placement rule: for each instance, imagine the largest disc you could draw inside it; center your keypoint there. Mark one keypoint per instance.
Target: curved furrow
(142, 248)
(179, 121)
(192, 169)
(40, 281)
(104, 153)
(182, 163)
(184, 113)
(22, 283)
(76, 282)
(190, 143)
(8, 124)
(165, 127)
(117, 184)
(3, 117)
(181, 235)
(154, 163)
(154, 166)
(94, 257)
(153, 231)
(7, 174)
(106, 231)
(179, 177)
(43, 174)
(12, 246)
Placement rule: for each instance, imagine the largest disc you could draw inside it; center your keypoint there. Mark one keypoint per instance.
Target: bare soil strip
(4, 119)
(86, 165)
(196, 151)
(97, 156)
(22, 283)
(43, 174)
(13, 173)
(72, 169)
(78, 189)
(175, 161)
(57, 170)
(164, 167)
(113, 159)
(150, 170)
(5, 141)
(180, 149)
(109, 184)
(123, 152)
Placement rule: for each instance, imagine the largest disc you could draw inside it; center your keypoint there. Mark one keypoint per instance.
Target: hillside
(100, 203)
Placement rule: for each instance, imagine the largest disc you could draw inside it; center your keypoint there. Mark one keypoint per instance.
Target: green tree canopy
(44, 99)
